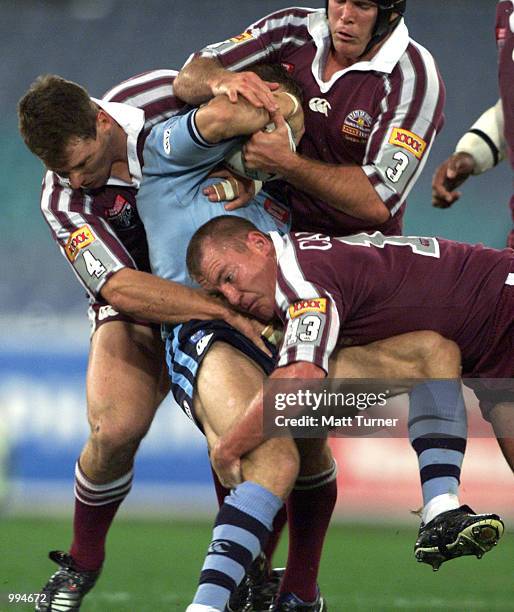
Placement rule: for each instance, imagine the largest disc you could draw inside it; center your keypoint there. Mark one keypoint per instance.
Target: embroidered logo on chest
(121, 214)
(320, 105)
(357, 126)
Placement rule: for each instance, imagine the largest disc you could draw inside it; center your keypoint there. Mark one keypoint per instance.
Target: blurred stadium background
(43, 324)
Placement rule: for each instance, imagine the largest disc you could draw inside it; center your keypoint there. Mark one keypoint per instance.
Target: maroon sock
(221, 491)
(309, 509)
(278, 526)
(278, 523)
(95, 508)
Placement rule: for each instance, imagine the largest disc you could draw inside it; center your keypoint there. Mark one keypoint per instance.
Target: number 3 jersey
(337, 292)
(99, 231)
(381, 114)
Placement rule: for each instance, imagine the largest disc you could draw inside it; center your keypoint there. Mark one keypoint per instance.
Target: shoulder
(140, 86)
(289, 16)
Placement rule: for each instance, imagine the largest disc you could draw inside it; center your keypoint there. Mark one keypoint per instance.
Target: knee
(112, 435)
(439, 357)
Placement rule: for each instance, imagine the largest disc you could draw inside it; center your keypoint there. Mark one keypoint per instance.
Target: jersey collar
(384, 61)
(131, 119)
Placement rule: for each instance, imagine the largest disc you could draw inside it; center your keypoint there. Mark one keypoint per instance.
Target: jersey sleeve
(178, 144)
(411, 105)
(267, 40)
(87, 242)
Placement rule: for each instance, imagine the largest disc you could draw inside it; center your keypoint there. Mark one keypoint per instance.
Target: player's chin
(263, 312)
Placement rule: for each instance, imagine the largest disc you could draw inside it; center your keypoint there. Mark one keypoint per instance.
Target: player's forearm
(150, 298)
(345, 188)
(194, 82)
(485, 139)
(247, 433)
(221, 119)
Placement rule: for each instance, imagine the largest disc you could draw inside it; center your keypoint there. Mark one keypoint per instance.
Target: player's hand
(251, 328)
(270, 151)
(226, 465)
(450, 175)
(235, 190)
(249, 85)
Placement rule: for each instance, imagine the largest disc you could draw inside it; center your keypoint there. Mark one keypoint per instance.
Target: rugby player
(491, 138)
(369, 287)
(208, 361)
(92, 149)
(373, 105)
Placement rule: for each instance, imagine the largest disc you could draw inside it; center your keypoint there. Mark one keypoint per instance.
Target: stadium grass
(153, 567)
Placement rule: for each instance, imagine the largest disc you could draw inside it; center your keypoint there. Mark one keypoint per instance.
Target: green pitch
(153, 567)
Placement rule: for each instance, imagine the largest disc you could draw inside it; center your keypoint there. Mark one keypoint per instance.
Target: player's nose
(232, 294)
(76, 179)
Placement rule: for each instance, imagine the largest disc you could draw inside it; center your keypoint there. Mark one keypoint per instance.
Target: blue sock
(438, 432)
(242, 528)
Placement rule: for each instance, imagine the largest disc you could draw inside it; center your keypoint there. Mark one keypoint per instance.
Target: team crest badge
(357, 126)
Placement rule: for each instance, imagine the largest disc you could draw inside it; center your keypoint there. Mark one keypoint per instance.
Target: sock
(274, 538)
(221, 491)
(309, 509)
(438, 432)
(242, 527)
(278, 523)
(439, 504)
(95, 508)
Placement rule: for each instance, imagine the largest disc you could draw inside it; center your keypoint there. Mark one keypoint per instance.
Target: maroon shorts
(496, 365)
(100, 312)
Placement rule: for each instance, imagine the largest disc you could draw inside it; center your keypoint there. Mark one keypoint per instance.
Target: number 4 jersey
(337, 292)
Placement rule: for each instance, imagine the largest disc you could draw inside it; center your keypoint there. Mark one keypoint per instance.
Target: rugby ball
(234, 159)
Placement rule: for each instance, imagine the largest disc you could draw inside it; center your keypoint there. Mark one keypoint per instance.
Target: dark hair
(228, 230)
(53, 112)
(278, 74)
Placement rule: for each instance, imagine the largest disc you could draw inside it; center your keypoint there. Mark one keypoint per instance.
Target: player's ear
(103, 120)
(258, 242)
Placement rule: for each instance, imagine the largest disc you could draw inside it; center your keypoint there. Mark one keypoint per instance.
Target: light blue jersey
(171, 203)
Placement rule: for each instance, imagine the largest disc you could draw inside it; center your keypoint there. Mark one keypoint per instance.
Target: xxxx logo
(408, 140)
(310, 305)
(77, 241)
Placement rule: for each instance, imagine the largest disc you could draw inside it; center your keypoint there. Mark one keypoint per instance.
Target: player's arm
(221, 120)
(144, 296)
(220, 67)
(105, 268)
(481, 148)
(346, 188)
(204, 77)
(247, 433)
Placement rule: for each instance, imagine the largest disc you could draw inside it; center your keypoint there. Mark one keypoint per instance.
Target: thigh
(226, 383)
(413, 355)
(126, 374)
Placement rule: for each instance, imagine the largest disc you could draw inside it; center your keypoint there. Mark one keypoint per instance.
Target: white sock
(438, 504)
(201, 608)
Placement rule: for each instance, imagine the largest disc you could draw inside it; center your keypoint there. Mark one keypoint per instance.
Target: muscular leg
(125, 385)
(437, 417)
(226, 383)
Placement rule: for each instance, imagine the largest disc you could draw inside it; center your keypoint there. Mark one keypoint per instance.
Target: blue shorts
(186, 346)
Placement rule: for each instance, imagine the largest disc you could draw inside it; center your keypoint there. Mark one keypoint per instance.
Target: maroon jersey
(337, 292)
(99, 231)
(505, 42)
(381, 114)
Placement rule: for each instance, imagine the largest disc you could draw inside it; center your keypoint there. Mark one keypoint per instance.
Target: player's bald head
(227, 231)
